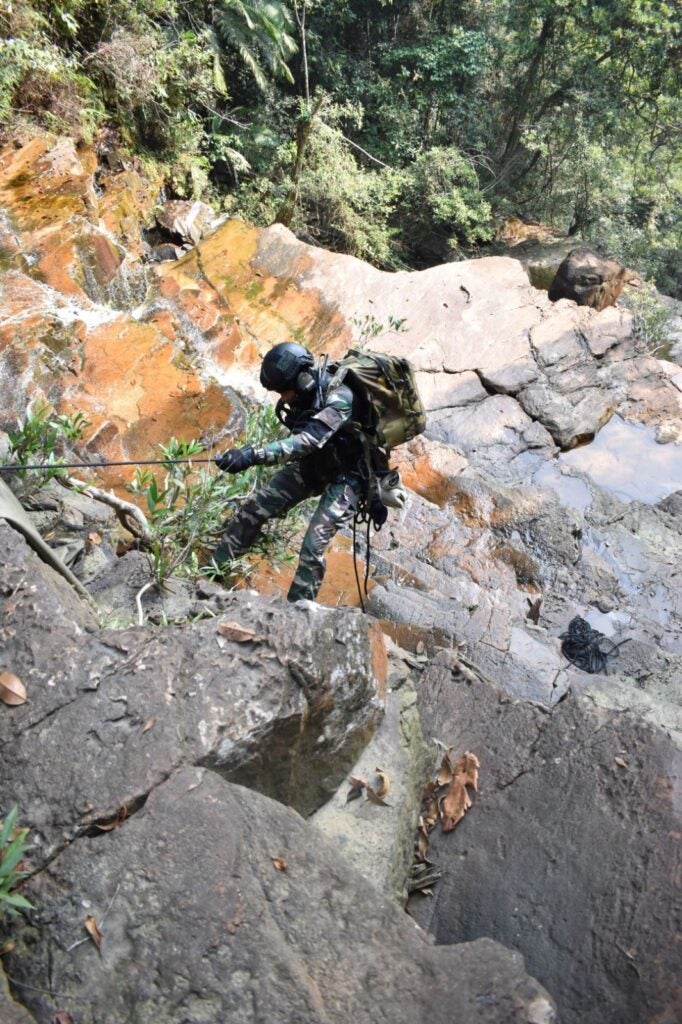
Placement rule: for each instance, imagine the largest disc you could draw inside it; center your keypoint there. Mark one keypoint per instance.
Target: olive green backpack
(391, 411)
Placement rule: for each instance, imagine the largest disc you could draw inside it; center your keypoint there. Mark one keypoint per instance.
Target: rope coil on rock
(586, 648)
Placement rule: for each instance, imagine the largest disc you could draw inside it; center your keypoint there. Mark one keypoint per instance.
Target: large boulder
(217, 904)
(568, 852)
(278, 698)
(588, 279)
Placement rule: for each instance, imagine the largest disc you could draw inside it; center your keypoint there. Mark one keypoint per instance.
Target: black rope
(17, 466)
(356, 519)
(586, 648)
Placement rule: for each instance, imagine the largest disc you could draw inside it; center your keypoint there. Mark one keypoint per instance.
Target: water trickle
(625, 459)
(571, 490)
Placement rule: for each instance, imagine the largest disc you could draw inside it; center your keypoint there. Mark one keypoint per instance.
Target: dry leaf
(420, 648)
(7, 948)
(468, 765)
(446, 771)
(94, 538)
(279, 863)
(384, 787)
(422, 845)
(235, 631)
(454, 804)
(430, 810)
(374, 797)
(621, 762)
(62, 1017)
(12, 690)
(108, 826)
(148, 725)
(93, 931)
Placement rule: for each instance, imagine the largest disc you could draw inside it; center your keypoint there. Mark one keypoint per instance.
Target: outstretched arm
(336, 413)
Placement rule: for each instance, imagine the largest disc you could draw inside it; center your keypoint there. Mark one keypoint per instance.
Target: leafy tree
(260, 32)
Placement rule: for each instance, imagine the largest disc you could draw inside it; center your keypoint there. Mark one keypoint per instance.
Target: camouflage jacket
(325, 434)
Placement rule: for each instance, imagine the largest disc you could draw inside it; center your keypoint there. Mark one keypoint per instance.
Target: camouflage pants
(286, 489)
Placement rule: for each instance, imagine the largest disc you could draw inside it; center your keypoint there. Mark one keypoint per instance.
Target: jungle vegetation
(400, 131)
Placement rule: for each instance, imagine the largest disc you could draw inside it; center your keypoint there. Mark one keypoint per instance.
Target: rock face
(218, 904)
(282, 701)
(570, 850)
(509, 533)
(588, 279)
(214, 902)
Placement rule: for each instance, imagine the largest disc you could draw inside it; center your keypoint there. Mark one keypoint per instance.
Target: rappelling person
(336, 449)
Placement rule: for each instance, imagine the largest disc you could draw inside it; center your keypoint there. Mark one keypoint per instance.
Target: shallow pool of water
(625, 459)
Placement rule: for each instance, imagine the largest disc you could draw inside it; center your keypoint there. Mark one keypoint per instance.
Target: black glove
(234, 460)
(378, 513)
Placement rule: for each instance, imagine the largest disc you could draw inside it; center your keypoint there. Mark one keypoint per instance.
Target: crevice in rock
(48, 714)
(102, 826)
(542, 725)
(490, 388)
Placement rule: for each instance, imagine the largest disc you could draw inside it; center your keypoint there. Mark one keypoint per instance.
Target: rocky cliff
(548, 485)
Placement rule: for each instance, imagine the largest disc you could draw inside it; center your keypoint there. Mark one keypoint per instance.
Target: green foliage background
(396, 130)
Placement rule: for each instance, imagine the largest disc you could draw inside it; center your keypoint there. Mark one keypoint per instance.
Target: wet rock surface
(570, 849)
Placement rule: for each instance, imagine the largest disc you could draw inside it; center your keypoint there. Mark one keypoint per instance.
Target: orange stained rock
(130, 380)
(338, 589)
(45, 181)
(269, 307)
(379, 658)
(127, 204)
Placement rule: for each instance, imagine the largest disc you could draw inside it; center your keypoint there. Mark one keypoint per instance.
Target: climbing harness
(586, 648)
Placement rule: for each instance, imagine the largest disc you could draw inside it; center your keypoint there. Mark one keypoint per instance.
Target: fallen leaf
(468, 765)
(454, 804)
(234, 631)
(62, 1017)
(150, 723)
(384, 787)
(94, 538)
(93, 931)
(374, 797)
(422, 876)
(7, 948)
(118, 819)
(422, 845)
(621, 762)
(446, 771)
(279, 863)
(456, 801)
(420, 648)
(12, 690)
(430, 810)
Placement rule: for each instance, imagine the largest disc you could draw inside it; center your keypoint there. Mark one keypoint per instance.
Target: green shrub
(38, 82)
(13, 849)
(652, 320)
(340, 205)
(43, 438)
(187, 507)
(441, 209)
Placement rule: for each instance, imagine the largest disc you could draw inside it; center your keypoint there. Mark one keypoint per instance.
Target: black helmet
(283, 364)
